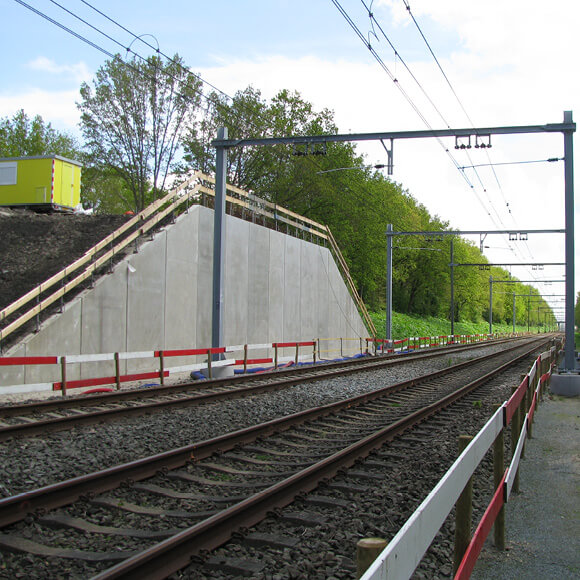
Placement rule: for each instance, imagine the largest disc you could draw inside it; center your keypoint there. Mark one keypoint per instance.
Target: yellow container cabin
(46, 183)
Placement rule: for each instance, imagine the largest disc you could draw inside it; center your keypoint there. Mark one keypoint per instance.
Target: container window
(8, 172)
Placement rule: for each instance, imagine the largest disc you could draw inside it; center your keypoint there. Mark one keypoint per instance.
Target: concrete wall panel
(236, 280)
(104, 321)
(278, 288)
(309, 264)
(60, 335)
(181, 280)
(323, 297)
(258, 284)
(291, 289)
(204, 278)
(104, 313)
(146, 299)
(14, 375)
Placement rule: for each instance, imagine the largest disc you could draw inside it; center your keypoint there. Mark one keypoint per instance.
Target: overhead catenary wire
(157, 49)
(122, 45)
(378, 58)
(454, 92)
(463, 108)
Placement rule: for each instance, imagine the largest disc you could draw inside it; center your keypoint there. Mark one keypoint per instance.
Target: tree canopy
(146, 120)
(22, 136)
(132, 120)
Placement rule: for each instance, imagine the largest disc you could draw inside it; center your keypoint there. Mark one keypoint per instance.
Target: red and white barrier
(160, 355)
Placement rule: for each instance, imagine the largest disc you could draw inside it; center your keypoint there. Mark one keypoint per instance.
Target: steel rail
(176, 552)
(16, 508)
(277, 380)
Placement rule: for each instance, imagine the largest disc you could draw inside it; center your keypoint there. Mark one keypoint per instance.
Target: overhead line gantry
(482, 138)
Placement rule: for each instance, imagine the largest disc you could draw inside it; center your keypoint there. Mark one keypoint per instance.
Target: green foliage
(133, 119)
(406, 325)
(333, 186)
(24, 137)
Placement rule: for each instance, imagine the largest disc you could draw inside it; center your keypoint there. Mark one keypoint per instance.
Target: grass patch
(405, 325)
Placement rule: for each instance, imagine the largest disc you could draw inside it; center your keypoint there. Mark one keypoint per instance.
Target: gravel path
(543, 520)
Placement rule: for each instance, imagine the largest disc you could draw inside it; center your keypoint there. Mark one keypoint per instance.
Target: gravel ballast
(29, 463)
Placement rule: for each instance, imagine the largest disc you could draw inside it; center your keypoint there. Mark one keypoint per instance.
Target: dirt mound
(35, 246)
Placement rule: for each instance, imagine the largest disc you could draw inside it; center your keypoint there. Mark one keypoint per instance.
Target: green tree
(22, 136)
(133, 120)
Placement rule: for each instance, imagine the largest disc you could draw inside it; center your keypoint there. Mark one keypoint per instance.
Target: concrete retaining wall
(278, 288)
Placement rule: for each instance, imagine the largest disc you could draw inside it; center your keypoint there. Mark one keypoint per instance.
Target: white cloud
(78, 72)
(55, 107)
(514, 65)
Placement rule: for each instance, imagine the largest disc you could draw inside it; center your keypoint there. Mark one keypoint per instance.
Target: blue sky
(511, 63)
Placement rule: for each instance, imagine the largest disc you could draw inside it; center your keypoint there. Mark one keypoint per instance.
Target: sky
(504, 64)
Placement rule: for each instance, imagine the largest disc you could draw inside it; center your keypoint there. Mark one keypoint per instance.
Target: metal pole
(219, 239)
(389, 304)
(514, 314)
(490, 304)
(569, 358)
(452, 265)
(528, 315)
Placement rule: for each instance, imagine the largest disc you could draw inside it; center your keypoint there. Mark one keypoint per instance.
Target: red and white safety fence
(418, 342)
(404, 552)
(162, 371)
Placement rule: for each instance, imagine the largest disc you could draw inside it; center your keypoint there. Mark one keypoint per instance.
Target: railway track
(198, 495)
(31, 419)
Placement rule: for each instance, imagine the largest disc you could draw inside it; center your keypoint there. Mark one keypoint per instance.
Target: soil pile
(35, 246)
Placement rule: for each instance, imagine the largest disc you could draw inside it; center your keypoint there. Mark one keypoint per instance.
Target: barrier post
(498, 472)
(360, 344)
(245, 358)
(367, 551)
(161, 368)
(117, 372)
(275, 355)
(63, 374)
(515, 433)
(463, 512)
(314, 342)
(296, 357)
(209, 364)
(521, 418)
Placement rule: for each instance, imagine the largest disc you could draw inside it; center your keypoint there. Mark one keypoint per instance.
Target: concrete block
(565, 384)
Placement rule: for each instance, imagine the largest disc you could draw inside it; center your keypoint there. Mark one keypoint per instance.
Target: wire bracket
(389, 156)
(483, 141)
